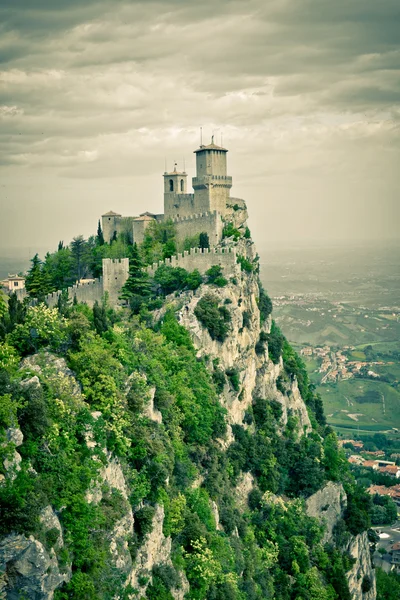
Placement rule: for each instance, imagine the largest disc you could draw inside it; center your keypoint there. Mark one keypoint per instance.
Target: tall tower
(211, 185)
(175, 194)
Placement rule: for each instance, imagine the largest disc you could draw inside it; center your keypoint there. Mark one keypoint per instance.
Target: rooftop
(111, 213)
(211, 146)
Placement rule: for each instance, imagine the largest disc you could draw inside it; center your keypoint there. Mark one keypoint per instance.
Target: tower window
(171, 185)
(182, 185)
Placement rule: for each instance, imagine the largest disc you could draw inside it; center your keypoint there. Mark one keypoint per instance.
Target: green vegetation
(121, 361)
(215, 318)
(387, 585)
(230, 231)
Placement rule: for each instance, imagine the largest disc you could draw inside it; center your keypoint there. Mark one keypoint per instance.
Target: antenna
(222, 144)
(165, 165)
(201, 137)
(184, 165)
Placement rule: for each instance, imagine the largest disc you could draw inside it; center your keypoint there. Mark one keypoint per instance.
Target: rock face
(362, 573)
(327, 505)
(155, 549)
(12, 463)
(28, 570)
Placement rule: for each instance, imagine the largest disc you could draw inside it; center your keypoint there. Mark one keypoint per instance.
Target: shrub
(247, 233)
(245, 264)
(260, 345)
(215, 318)
(264, 304)
(219, 379)
(144, 520)
(230, 231)
(246, 319)
(234, 378)
(275, 341)
(42, 327)
(214, 276)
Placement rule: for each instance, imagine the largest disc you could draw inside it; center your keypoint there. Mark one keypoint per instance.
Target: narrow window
(171, 185)
(182, 185)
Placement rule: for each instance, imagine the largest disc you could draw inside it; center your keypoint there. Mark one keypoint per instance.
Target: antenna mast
(201, 137)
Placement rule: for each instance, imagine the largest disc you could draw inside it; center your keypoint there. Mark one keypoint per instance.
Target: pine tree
(78, 246)
(16, 311)
(137, 286)
(204, 241)
(34, 279)
(100, 318)
(100, 236)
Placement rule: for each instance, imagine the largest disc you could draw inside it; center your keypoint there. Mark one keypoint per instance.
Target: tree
(100, 236)
(204, 241)
(16, 311)
(38, 282)
(100, 318)
(137, 287)
(78, 245)
(3, 306)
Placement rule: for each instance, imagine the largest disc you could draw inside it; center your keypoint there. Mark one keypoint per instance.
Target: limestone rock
(119, 549)
(327, 505)
(110, 474)
(12, 463)
(28, 570)
(53, 368)
(242, 490)
(155, 549)
(150, 411)
(358, 548)
(50, 521)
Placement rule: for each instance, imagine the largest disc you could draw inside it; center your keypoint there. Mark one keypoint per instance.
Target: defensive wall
(115, 273)
(208, 222)
(202, 260)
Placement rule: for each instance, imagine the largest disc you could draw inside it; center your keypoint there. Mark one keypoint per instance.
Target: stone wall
(84, 292)
(115, 273)
(208, 222)
(202, 260)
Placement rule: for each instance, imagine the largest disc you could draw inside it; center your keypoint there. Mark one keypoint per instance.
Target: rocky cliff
(138, 484)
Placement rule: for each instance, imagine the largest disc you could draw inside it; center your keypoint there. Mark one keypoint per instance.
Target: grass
(339, 402)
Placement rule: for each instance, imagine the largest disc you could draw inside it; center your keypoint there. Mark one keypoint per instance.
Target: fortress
(203, 211)
(192, 213)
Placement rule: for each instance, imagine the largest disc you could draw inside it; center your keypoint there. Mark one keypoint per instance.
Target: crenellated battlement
(195, 216)
(201, 259)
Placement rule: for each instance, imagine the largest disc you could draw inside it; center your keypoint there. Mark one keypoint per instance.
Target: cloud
(304, 90)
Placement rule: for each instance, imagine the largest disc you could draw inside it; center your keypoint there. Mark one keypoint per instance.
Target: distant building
(14, 283)
(395, 552)
(356, 444)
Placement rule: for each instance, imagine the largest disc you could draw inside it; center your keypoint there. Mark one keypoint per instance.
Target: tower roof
(111, 213)
(211, 146)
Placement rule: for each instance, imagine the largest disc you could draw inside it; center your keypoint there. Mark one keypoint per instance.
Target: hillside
(172, 448)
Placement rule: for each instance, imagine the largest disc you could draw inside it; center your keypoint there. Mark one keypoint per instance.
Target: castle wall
(179, 205)
(115, 273)
(207, 222)
(85, 292)
(202, 260)
(118, 224)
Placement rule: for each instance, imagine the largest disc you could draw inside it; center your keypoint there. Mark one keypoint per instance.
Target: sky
(96, 96)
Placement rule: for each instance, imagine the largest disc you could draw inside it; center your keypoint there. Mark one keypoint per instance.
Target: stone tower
(177, 202)
(110, 223)
(211, 184)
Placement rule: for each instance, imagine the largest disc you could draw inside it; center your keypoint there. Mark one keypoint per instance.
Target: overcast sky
(95, 95)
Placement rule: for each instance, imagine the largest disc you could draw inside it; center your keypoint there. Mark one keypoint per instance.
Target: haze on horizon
(95, 95)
